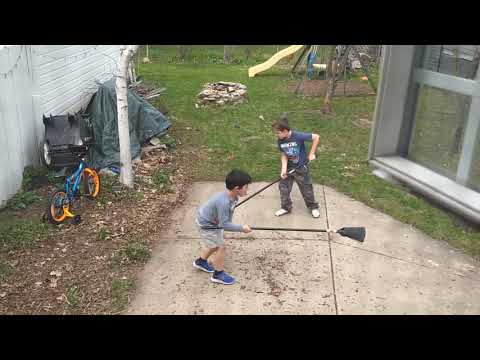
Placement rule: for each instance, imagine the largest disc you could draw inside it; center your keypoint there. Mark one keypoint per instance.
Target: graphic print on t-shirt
(292, 150)
(294, 147)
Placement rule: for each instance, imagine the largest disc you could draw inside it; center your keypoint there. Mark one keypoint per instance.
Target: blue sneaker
(203, 265)
(222, 278)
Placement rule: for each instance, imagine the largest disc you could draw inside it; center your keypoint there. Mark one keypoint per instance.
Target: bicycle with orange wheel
(61, 202)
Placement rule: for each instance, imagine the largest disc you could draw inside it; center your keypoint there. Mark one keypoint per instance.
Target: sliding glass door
(445, 119)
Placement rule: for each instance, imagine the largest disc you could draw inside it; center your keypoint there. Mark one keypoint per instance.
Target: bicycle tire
(56, 210)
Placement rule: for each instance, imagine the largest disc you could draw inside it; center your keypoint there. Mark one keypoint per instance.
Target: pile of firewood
(221, 93)
(145, 92)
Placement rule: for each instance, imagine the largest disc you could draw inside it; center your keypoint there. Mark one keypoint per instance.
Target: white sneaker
(315, 213)
(281, 212)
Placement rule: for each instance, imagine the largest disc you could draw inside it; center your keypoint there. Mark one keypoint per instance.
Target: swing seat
(320, 67)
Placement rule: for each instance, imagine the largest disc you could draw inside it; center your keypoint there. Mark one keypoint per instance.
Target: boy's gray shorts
(210, 238)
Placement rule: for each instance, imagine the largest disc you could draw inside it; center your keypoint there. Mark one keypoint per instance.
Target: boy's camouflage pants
(304, 181)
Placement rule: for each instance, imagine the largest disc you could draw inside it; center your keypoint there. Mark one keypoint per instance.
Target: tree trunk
(327, 102)
(330, 77)
(182, 52)
(126, 173)
(146, 59)
(332, 82)
(330, 63)
(248, 52)
(227, 53)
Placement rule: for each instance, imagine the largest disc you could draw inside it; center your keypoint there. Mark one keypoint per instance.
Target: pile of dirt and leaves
(319, 88)
(90, 267)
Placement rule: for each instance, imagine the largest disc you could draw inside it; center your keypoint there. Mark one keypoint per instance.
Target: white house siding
(42, 79)
(67, 74)
(18, 132)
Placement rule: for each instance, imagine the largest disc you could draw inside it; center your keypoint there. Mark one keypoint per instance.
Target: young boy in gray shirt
(218, 212)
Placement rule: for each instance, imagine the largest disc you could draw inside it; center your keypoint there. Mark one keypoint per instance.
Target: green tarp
(145, 122)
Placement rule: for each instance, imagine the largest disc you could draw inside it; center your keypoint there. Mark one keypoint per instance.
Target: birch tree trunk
(126, 173)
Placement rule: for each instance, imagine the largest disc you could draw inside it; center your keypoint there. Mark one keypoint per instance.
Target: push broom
(355, 233)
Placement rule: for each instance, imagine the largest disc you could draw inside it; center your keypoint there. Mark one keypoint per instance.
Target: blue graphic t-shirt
(294, 148)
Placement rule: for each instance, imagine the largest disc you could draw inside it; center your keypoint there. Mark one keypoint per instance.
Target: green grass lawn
(237, 136)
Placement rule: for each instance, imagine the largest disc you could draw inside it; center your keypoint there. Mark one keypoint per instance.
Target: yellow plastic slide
(254, 70)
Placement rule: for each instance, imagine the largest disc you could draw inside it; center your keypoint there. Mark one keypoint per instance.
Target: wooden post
(302, 54)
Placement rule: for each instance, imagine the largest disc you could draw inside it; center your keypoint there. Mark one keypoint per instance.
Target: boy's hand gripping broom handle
(267, 186)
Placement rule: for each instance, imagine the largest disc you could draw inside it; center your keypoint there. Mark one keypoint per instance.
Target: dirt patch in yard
(318, 88)
(91, 267)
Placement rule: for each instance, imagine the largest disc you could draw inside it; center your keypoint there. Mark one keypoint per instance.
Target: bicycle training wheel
(92, 182)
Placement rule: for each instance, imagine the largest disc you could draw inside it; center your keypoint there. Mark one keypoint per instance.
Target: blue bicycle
(61, 202)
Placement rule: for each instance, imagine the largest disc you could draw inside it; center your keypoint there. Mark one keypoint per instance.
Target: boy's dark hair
(281, 124)
(237, 178)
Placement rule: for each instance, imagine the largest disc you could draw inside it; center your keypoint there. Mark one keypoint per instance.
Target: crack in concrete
(407, 261)
(330, 252)
(339, 243)
(330, 242)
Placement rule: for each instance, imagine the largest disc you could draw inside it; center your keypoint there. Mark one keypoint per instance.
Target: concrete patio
(397, 270)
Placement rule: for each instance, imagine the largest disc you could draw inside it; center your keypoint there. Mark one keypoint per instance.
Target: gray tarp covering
(145, 121)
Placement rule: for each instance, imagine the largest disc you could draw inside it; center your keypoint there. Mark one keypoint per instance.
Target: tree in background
(248, 52)
(338, 56)
(182, 52)
(227, 53)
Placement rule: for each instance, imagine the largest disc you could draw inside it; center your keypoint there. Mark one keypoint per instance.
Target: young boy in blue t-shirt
(291, 144)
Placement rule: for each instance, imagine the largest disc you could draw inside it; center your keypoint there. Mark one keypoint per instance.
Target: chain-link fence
(207, 54)
(239, 54)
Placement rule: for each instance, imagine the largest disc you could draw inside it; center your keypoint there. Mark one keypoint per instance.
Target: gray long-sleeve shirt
(218, 211)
